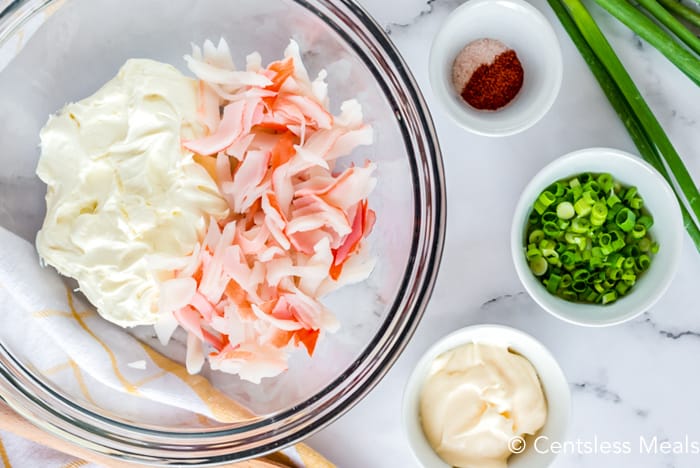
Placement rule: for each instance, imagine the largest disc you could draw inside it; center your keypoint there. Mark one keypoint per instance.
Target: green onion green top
(588, 240)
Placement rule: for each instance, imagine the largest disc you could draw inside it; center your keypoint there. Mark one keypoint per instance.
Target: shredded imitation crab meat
(296, 227)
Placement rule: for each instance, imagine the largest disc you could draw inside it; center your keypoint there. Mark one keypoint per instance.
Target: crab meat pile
(296, 225)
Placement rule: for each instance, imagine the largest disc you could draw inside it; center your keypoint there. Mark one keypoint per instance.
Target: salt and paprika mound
(487, 74)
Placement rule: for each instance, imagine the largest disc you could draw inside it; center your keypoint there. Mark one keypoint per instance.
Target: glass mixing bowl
(53, 52)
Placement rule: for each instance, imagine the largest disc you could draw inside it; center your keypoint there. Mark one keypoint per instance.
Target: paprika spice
(487, 74)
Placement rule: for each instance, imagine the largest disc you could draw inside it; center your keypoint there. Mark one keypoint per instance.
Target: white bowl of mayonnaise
(487, 396)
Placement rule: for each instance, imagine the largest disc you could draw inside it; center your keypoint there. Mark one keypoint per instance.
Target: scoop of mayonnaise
(476, 399)
(125, 202)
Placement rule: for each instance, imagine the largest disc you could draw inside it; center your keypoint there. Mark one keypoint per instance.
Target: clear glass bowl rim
(50, 410)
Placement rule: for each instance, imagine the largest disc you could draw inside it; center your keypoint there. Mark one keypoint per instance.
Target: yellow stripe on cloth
(81, 382)
(60, 313)
(57, 369)
(128, 386)
(150, 378)
(3, 456)
(77, 373)
(75, 464)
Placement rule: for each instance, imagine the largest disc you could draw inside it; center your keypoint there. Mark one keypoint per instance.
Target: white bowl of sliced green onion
(596, 237)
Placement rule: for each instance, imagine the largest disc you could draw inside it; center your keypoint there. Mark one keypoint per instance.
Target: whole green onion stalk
(682, 11)
(642, 140)
(643, 26)
(670, 21)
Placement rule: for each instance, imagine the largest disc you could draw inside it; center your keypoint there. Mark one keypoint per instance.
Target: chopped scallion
(591, 240)
(565, 210)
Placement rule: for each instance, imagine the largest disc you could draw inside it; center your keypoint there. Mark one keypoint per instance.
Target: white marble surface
(634, 380)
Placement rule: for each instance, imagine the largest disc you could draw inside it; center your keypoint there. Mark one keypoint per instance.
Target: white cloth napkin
(97, 363)
(16, 452)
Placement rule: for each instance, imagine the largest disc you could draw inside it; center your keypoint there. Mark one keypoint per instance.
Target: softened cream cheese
(125, 203)
(476, 399)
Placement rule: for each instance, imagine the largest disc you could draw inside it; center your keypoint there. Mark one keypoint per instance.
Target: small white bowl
(519, 26)
(554, 384)
(667, 230)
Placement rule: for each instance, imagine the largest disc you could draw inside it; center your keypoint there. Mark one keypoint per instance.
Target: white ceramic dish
(554, 384)
(521, 27)
(667, 230)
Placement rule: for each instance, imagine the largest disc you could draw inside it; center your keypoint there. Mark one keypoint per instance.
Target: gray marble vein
(599, 390)
(670, 334)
